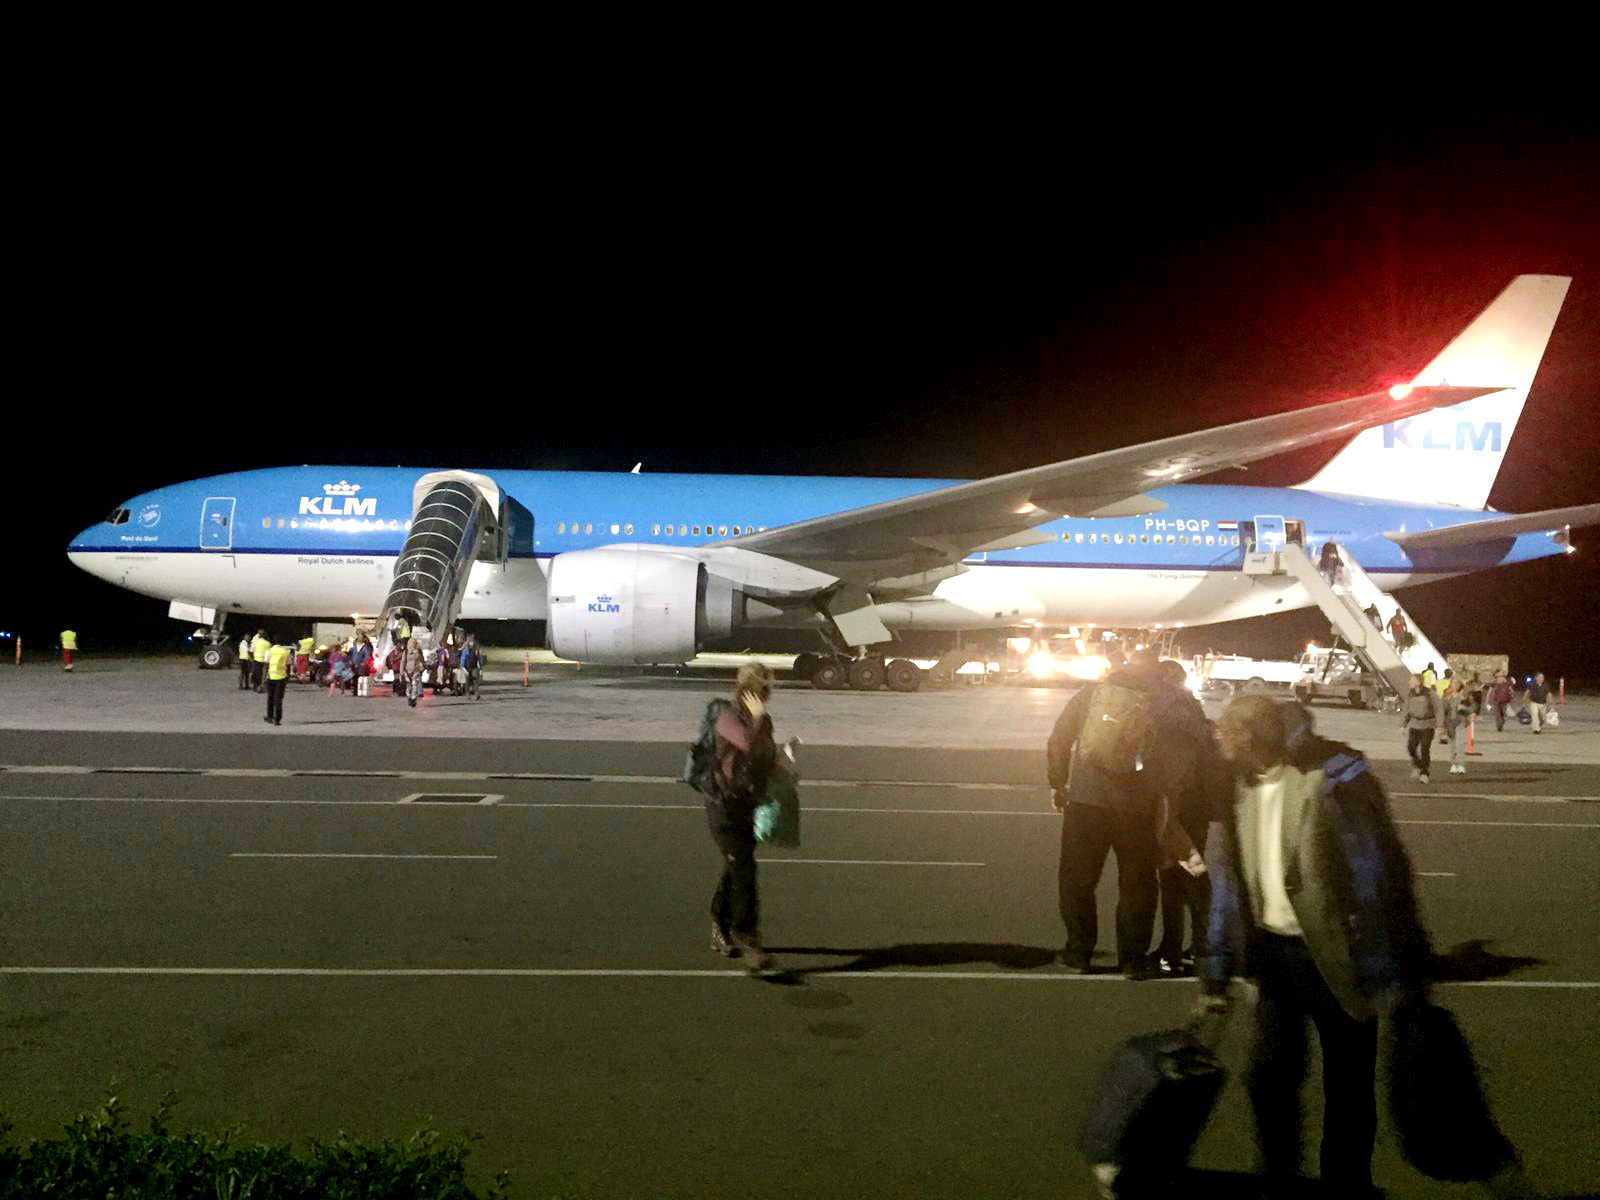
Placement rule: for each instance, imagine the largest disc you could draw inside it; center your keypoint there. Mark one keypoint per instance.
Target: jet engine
(638, 607)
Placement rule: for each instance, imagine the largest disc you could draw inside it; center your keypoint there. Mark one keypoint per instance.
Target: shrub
(99, 1155)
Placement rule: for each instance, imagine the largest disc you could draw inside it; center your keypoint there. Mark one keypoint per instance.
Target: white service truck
(1229, 674)
(1338, 674)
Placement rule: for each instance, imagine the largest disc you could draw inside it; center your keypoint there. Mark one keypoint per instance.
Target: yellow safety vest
(244, 649)
(305, 645)
(278, 662)
(69, 640)
(258, 649)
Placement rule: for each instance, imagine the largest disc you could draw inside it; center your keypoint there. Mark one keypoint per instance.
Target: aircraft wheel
(805, 665)
(904, 676)
(213, 658)
(829, 675)
(866, 674)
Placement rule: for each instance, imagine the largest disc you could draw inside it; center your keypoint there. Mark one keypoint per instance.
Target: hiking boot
(721, 943)
(1074, 962)
(1140, 970)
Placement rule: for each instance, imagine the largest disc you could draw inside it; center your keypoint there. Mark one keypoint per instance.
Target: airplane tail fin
(1452, 455)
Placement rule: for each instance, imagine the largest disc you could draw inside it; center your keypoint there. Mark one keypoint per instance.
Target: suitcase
(1152, 1103)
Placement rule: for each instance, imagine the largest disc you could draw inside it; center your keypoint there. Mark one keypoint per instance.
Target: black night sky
(723, 287)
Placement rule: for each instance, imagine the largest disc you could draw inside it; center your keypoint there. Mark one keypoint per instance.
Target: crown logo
(341, 488)
(602, 599)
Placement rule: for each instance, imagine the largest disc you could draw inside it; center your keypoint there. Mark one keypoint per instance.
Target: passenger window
(1094, 539)
(683, 530)
(655, 530)
(588, 526)
(1183, 539)
(1117, 538)
(1211, 539)
(294, 522)
(561, 526)
(1236, 539)
(696, 531)
(1144, 539)
(628, 529)
(722, 531)
(735, 531)
(615, 529)
(1077, 537)
(280, 522)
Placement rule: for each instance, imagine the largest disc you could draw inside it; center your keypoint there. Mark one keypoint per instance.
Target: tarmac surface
(500, 925)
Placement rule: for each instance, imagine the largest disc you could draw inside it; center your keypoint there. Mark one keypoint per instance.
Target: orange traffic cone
(1472, 725)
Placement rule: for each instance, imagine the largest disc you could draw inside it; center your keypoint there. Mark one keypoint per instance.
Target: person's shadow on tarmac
(921, 954)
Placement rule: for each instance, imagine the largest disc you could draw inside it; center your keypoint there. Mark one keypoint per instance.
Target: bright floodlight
(1400, 391)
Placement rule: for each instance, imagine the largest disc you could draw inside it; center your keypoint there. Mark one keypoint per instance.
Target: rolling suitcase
(1152, 1103)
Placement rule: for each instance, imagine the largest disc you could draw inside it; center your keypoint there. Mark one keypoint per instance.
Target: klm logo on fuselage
(338, 500)
(1468, 436)
(604, 604)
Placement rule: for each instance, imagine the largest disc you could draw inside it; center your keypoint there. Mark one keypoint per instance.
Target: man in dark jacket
(1312, 897)
(1109, 805)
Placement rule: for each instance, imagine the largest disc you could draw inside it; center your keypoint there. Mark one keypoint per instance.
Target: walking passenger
(1312, 898)
(1538, 701)
(277, 665)
(1097, 759)
(744, 754)
(1500, 700)
(361, 665)
(1192, 782)
(412, 663)
(1419, 714)
(1456, 711)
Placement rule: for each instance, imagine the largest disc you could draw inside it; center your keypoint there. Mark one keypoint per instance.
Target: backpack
(700, 764)
(1114, 730)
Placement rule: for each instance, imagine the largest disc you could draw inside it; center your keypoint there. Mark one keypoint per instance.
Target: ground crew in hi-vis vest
(69, 647)
(277, 681)
(244, 663)
(259, 646)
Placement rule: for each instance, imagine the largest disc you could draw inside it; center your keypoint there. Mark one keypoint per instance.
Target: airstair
(1346, 602)
(458, 518)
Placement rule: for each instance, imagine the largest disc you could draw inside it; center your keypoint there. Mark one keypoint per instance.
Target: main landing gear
(831, 672)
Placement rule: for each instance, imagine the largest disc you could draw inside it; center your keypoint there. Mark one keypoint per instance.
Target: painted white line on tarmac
(1436, 874)
(1496, 797)
(668, 973)
(810, 808)
(445, 857)
(1512, 824)
(869, 862)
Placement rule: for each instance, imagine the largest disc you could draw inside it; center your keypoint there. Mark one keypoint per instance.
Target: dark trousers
(244, 674)
(736, 906)
(1419, 744)
(1292, 990)
(258, 672)
(275, 690)
(1087, 833)
(1179, 891)
(1499, 717)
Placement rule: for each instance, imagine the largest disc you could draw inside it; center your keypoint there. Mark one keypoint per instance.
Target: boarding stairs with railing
(458, 519)
(1346, 602)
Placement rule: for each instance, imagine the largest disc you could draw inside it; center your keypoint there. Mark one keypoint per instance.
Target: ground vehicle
(1336, 673)
(1229, 674)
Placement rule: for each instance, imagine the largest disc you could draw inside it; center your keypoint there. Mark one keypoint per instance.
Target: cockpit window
(119, 516)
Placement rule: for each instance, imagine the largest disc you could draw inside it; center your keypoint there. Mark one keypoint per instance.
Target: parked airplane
(640, 568)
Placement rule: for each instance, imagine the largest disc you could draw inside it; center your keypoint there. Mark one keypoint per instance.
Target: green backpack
(1113, 734)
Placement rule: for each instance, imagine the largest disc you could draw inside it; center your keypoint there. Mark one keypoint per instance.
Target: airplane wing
(1497, 528)
(901, 537)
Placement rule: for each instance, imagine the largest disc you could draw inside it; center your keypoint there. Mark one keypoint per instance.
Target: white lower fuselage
(984, 597)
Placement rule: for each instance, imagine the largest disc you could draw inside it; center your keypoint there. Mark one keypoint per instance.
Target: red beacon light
(1400, 391)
